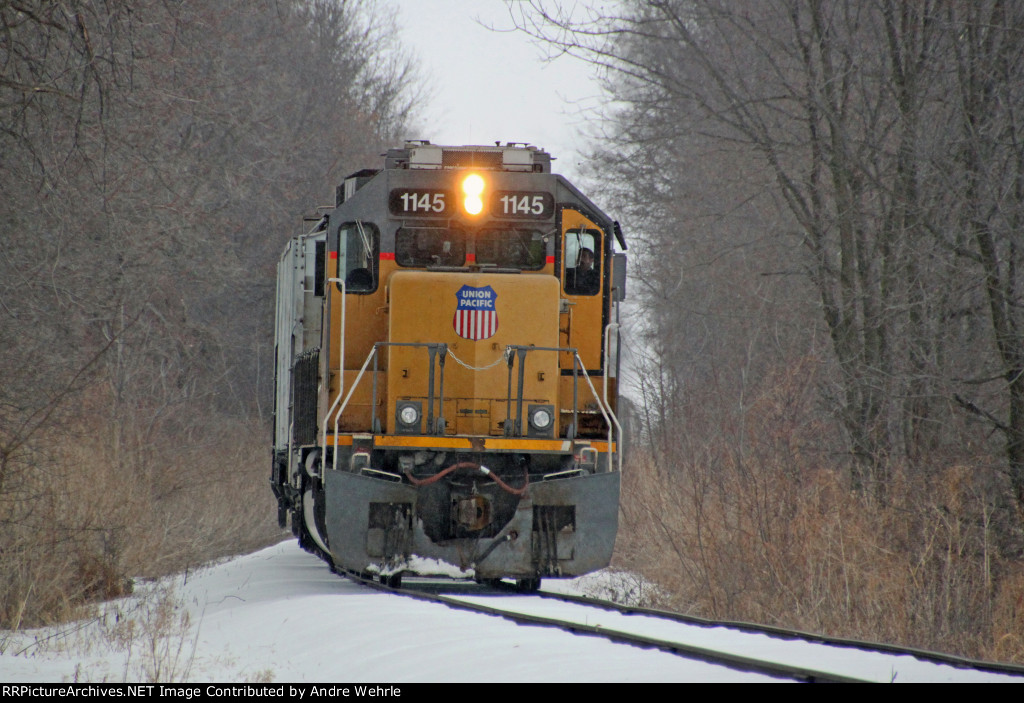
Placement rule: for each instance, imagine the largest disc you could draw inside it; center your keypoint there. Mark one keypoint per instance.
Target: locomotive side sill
(474, 443)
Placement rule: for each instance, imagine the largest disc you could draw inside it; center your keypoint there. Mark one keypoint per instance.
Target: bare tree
(986, 179)
(155, 156)
(836, 119)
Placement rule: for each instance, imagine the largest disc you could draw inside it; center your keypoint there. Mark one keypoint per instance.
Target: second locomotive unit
(446, 371)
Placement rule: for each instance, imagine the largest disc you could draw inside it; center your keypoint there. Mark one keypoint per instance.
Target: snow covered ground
(280, 615)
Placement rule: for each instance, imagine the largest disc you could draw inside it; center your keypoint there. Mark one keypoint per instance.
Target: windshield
(511, 248)
(430, 246)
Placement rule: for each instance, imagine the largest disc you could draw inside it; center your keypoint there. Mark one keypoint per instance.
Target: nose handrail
(513, 352)
(437, 352)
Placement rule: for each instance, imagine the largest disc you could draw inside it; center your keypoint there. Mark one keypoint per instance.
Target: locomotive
(446, 370)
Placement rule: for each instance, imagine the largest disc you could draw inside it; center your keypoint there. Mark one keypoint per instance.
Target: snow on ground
(280, 615)
(846, 661)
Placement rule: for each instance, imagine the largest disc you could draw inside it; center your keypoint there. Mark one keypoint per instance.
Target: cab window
(582, 274)
(511, 248)
(430, 246)
(358, 256)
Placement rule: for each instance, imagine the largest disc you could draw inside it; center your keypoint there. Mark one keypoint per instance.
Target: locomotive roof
(512, 156)
(518, 157)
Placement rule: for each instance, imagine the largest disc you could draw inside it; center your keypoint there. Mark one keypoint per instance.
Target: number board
(423, 202)
(431, 202)
(522, 203)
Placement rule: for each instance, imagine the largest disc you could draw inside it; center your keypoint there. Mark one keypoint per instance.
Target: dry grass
(155, 634)
(740, 516)
(774, 534)
(97, 505)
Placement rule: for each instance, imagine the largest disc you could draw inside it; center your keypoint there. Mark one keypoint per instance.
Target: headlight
(407, 415)
(541, 419)
(473, 187)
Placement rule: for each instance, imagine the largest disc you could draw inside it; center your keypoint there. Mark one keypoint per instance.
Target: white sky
(279, 615)
(484, 86)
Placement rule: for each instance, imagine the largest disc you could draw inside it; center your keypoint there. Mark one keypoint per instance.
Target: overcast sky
(484, 86)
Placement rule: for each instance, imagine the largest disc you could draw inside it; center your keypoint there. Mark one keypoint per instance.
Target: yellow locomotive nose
(473, 188)
(501, 461)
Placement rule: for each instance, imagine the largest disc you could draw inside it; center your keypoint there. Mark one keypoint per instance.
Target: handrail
(609, 416)
(341, 382)
(438, 350)
(435, 350)
(337, 418)
(607, 362)
(517, 350)
(602, 400)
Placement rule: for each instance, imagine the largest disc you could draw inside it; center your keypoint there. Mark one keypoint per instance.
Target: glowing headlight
(409, 415)
(473, 187)
(541, 419)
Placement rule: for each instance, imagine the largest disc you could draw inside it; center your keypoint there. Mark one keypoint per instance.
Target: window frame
(597, 249)
(360, 228)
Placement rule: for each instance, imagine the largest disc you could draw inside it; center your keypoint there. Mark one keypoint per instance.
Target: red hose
(470, 465)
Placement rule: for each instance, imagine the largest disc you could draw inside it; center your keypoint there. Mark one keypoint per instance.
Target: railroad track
(769, 651)
(922, 655)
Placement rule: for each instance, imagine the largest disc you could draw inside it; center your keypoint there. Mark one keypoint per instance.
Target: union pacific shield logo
(476, 315)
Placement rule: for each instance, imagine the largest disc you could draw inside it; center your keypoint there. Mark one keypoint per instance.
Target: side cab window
(358, 256)
(581, 258)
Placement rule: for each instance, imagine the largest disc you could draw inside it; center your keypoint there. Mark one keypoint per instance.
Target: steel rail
(727, 659)
(787, 633)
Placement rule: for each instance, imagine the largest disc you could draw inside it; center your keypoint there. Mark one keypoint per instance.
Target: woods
(824, 202)
(155, 156)
(825, 199)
